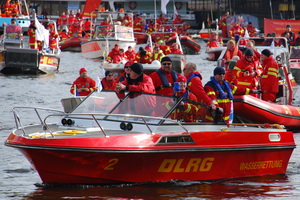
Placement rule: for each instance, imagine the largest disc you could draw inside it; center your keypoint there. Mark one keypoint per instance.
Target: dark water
(19, 181)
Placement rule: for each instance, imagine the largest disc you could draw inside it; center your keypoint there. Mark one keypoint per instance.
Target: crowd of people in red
(11, 9)
(144, 55)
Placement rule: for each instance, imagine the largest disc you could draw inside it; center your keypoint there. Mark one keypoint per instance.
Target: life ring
(178, 5)
(132, 5)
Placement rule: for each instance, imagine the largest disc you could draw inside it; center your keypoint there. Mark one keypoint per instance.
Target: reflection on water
(19, 181)
(248, 188)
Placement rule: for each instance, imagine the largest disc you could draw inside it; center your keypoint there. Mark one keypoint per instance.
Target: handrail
(116, 115)
(18, 120)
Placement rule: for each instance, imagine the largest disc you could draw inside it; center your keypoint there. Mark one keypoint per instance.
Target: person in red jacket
(164, 77)
(232, 50)
(223, 24)
(108, 82)
(221, 92)
(32, 37)
(143, 57)
(130, 53)
(269, 78)
(214, 41)
(83, 85)
(63, 19)
(138, 82)
(87, 27)
(177, 20)
(114, 52)
(236, 30)
(251, 30)
(125, 75)
(138, 24)
(53, 43)
(186, 110)
(165, 48)
(194, 84)
(247, 72)
(157, 54)
(175, 49)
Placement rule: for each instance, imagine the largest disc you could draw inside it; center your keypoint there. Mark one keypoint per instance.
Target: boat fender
(132, 5)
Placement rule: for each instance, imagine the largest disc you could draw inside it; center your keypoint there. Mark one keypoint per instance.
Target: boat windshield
(141, 104)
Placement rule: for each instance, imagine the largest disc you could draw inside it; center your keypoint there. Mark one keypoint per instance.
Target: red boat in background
(254, 110)
(72, 44)
(189, 45)
(104, 141)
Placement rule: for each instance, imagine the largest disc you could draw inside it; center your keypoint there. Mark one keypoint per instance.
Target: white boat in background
(107, 36)
(16, 57)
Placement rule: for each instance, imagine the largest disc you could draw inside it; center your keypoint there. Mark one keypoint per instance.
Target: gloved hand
(256, 91)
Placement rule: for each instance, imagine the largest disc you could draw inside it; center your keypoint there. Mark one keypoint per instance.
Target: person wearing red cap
(83, 85)
(269, 78)
(164, 77)
(53, 44)
(186, 111)
(138, 82)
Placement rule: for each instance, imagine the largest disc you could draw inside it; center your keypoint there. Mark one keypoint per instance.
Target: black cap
(249, 52)
(288, 26)
(266, 52)
(219, 70)
(137, 68)
(166, 58)
(107, 73)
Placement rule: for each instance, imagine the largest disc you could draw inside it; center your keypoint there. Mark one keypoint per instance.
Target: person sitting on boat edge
(114, 52)
(138, 82)
(194, 84)
(164, 78)
(269, 78)
(221, 92)
(186, 111)
(125, 75)
(175, 49)
(83, 85)
(157, 54)
(108, 82)
(143, 56)
(130, 53)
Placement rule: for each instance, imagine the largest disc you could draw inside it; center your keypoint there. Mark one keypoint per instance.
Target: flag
(99, 84)
(179, 43)
(164, 6)
(175, 12)
(90, 6)
(41, 33)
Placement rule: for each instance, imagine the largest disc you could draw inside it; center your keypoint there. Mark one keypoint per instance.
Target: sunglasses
(126, 67)
(167, 63)
(221, 74)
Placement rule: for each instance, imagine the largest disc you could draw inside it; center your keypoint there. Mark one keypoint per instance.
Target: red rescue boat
(256, 110)
(72, 44)
(102, 141)
(189, 45)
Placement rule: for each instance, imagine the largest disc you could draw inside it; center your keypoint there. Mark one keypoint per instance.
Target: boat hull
(28, 61)
(110, 160)
(98, 48)
(189, 45)
(72, 44)
(259, 111)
